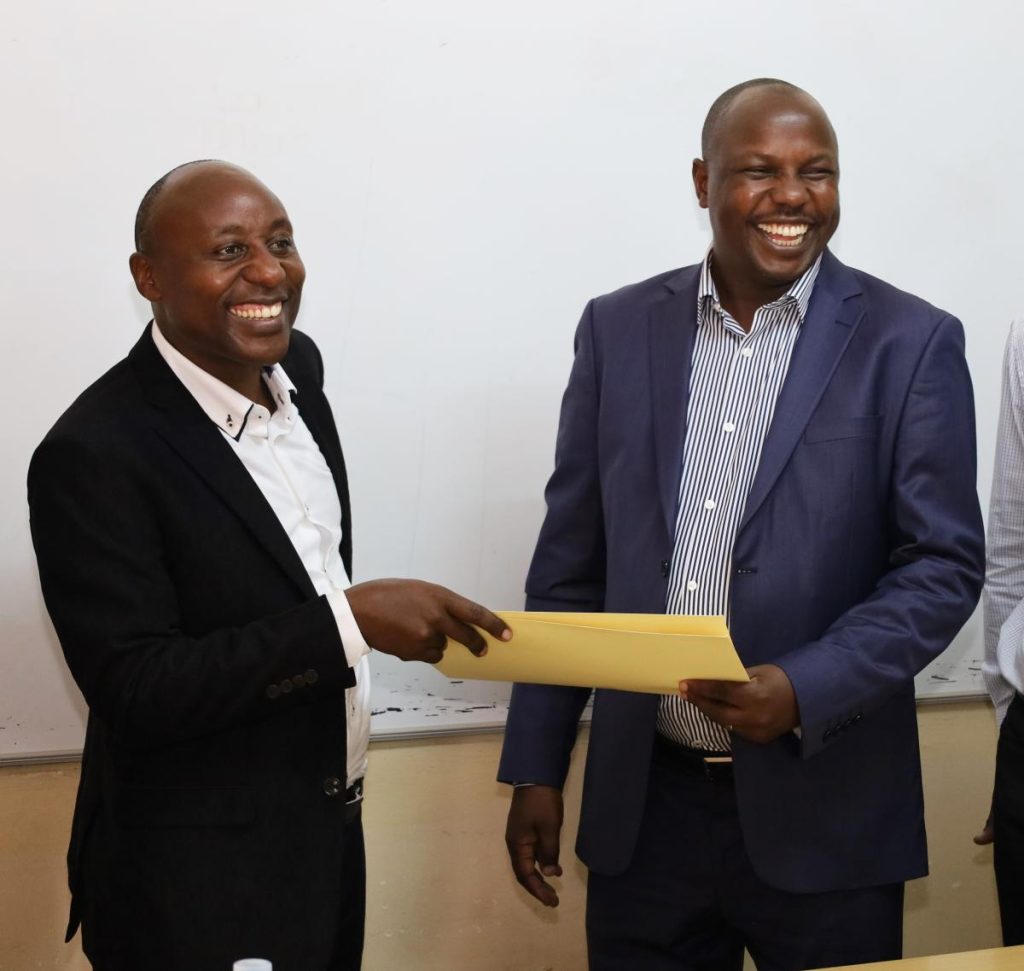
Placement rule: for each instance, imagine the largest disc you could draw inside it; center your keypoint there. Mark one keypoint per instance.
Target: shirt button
(728, 428)
(747, 352)
(709, 504)
(691, 585)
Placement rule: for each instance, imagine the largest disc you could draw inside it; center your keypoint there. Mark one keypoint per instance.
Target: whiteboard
(463, 176)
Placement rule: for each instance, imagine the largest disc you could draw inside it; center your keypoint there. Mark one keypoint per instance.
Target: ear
(145, 280)
(700, 181)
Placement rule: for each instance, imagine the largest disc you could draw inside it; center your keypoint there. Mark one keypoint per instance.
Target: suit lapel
(671, 329)
(180, 421)
(832, 318)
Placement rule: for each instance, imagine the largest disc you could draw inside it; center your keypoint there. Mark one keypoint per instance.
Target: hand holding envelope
(760, 710)
(629, 652)
(651, 653)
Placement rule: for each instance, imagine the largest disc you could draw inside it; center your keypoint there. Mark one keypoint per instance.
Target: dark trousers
(1008, 823)
(691, 900)
(348, 951)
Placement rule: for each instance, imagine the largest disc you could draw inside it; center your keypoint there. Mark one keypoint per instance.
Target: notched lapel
(180, 422)
(671, 329)
(832, 318)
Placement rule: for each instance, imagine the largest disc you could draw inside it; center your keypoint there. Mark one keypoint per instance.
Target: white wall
(462, 175)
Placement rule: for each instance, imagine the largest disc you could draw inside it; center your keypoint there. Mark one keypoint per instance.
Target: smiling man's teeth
(792, 233)
(256, 311)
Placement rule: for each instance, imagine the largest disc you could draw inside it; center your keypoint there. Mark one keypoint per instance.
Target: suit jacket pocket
(834, 429)
(139, 807)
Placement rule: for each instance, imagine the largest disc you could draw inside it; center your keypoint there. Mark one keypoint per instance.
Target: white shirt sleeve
(1003, 667)
(352, 638)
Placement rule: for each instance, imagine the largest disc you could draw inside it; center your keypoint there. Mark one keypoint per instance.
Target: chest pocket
(837, 429)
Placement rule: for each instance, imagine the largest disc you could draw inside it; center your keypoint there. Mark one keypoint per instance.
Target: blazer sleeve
(567, 573)
(936, 559)
(102, 559)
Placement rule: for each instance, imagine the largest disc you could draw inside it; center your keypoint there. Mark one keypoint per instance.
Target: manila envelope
(629, 652)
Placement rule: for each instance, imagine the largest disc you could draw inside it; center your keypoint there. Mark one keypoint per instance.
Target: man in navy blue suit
(776, 437)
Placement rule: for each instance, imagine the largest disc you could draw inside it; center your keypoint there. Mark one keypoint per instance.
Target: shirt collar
(800, 291)
(227, 408)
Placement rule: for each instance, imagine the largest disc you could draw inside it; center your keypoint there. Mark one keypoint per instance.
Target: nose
(264, 268)
(789, 190)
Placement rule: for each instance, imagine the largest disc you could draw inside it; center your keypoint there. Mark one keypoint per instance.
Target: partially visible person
(1003, 667)
(190, 515)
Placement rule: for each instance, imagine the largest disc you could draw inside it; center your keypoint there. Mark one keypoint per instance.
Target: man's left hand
(759, 710)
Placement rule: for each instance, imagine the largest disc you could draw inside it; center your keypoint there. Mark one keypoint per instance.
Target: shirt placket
(704, 550)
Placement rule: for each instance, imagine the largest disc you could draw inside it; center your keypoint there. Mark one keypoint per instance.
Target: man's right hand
(534, 825)
(413, 620)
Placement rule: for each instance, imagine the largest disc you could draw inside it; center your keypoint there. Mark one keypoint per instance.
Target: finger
(432, 645)
(536, 886)
(456, 630)
(723, 692)
(547, 852)
(472, 613)
(717, 711)
(523, 865)
(525, 869)
(986, 836)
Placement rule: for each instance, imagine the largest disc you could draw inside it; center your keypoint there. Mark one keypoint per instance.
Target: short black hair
(145, 209)
(726, 98)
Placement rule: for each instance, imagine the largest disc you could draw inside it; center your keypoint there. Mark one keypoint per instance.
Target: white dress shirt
(1003, 668)
(281, 455)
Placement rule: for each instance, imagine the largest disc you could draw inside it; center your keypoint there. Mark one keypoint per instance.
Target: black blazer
(208, 824)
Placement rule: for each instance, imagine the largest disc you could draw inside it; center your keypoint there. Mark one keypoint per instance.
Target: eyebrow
(235, 230)
(764, 157)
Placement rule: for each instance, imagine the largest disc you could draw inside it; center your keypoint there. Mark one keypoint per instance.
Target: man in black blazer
(190, 516)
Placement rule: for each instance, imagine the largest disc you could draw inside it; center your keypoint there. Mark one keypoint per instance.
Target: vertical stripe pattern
(735, 380)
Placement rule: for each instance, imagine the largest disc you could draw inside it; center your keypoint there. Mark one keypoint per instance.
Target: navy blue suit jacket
(858, 557)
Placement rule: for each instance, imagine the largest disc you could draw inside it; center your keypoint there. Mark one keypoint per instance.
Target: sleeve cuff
(352, 639)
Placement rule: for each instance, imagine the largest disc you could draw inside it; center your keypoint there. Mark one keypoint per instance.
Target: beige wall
(439, 892)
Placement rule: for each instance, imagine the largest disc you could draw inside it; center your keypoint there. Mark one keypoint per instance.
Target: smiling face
(771, 185)
(222, 272)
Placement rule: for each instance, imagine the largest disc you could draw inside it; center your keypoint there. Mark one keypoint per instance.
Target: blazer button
(273, 691)
(332, 786)
(665, 567)
(312, 677)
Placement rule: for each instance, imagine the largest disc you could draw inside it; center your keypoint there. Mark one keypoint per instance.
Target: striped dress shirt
(735, 380)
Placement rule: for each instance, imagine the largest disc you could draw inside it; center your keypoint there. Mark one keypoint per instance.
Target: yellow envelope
(630, 652)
